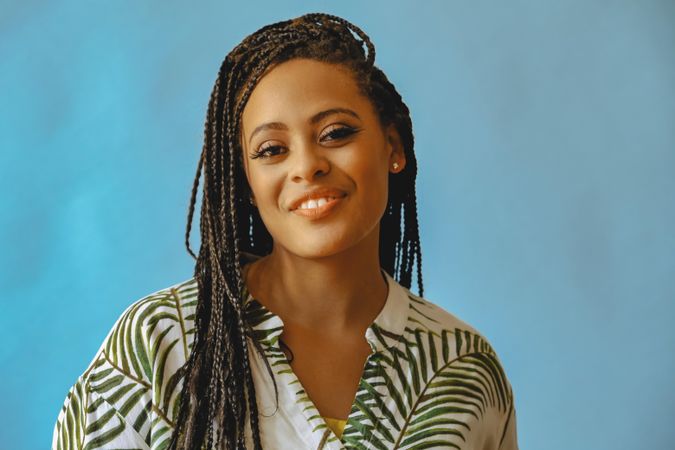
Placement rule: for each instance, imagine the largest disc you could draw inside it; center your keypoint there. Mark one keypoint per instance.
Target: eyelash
(337, 133)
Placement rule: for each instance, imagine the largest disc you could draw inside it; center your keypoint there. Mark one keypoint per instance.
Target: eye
(339, 132)
(266, 151)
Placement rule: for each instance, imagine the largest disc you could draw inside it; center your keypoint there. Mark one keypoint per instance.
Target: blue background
(545, 134)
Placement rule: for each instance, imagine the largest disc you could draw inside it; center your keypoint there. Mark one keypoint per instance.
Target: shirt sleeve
(509, 439)
(69, 428)
(95, 413)
(127, 398)
(88, 420)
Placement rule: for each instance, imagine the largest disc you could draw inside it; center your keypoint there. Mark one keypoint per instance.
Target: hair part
(213, 391)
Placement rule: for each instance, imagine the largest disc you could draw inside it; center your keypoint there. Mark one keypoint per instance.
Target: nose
(308, 162)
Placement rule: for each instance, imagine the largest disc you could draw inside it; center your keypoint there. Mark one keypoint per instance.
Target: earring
(251, 200)
(395, 166)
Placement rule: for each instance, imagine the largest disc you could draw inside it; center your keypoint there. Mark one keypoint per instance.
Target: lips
(315, 194)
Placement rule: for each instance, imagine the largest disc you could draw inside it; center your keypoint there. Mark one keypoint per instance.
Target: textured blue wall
(546, 148)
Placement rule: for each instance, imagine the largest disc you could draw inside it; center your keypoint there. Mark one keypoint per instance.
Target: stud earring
(395, 166)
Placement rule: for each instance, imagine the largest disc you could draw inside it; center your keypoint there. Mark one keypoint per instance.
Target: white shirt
(432, 381)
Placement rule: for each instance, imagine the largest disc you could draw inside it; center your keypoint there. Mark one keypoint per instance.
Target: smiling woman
(298, 329)
(327, 145)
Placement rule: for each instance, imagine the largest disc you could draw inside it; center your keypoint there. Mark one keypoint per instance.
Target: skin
(325, 327)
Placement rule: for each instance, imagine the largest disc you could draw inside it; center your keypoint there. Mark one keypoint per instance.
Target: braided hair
(218, 393)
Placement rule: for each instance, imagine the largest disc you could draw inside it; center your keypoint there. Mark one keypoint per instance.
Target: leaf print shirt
(431, 381)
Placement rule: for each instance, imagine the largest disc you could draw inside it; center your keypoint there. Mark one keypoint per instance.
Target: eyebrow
(313, 120)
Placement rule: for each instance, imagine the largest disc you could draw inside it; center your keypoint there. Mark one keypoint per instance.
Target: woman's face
(306, 127)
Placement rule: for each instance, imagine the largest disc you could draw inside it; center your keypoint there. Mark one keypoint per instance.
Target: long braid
(215, 400)
(249, 386)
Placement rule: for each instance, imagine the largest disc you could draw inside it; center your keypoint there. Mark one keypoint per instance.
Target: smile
(318, 208)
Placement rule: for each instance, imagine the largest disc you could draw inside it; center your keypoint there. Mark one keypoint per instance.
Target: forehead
(294, 90)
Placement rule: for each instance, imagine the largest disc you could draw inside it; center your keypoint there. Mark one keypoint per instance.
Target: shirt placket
(374, 367)
(304, 415)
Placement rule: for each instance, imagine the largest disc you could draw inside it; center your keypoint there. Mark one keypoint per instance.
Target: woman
(298, 329)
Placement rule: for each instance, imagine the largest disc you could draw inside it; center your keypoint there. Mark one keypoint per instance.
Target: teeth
(315, 203)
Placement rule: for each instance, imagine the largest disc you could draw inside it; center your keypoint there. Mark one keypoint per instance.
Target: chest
(413, 397)
(329, 368)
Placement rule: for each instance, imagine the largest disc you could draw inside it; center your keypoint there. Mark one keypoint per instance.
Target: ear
(395, 147)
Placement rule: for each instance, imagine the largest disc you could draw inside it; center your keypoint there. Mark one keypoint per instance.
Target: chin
(309, 251)
(318, 246)
(319, 241)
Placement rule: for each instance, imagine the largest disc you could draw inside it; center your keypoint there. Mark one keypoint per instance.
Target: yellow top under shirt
(337, 425)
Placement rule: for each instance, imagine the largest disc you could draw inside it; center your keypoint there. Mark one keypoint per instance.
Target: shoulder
(463, 365)
(151, 339)
(460, 337)
(455, 350)
(130, 388)
(442, 375)
(147, 327)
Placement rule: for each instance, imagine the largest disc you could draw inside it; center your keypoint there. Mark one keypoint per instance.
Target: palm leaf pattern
(432, 389)
(432, 381)
(130, 391)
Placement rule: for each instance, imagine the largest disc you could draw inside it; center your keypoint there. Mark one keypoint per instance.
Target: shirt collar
(385, 332)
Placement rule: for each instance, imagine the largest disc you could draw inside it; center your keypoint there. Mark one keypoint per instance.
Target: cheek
(265, 186)
(253, 178)
(371, 171)
(371, 179)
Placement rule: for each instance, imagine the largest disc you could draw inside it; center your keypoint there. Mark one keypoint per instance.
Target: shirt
(431, 381)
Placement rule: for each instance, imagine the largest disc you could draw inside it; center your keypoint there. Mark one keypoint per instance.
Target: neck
(335, 294)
